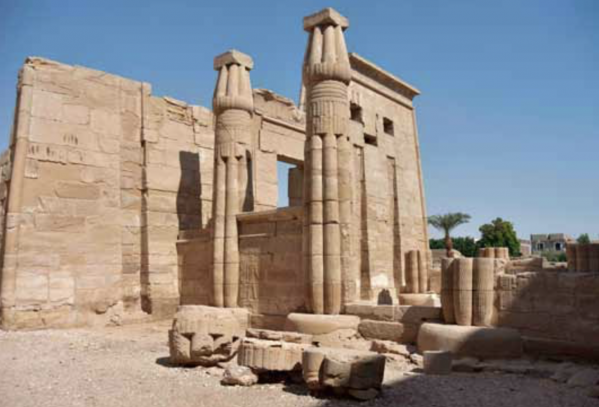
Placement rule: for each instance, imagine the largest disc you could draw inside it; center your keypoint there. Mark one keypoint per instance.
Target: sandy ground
(128, 366)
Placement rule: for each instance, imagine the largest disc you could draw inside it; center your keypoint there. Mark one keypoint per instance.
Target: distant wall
(557, 312)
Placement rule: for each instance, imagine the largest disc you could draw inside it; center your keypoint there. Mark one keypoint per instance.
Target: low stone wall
(272, 281)
(556, 312)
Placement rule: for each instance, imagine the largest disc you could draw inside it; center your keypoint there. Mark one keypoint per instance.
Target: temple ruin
(118, 205)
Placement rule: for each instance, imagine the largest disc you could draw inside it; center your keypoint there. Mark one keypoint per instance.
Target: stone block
(424, 300)
(342, 369)
(75, 114)
(320, 324)
(437, 362)
(480, 342)
(389, 331)
(415, 314)
(74, 190)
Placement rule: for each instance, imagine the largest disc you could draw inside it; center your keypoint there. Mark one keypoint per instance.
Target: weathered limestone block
(480, 342)
(271, 355)
(343, 369)
(239, 376)
(204, 335)
(320, 324)
(437, 362)
(390, 331)
(422, 300)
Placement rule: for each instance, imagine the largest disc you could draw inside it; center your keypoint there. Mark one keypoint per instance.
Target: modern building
(552, 242)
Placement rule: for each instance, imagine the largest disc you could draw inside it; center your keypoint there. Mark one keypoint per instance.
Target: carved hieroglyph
(233, 105)
(327, 197)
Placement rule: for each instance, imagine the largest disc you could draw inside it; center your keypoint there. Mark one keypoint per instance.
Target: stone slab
(320, 324)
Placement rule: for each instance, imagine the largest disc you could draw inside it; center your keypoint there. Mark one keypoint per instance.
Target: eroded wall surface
(111, 175)
(557, 312)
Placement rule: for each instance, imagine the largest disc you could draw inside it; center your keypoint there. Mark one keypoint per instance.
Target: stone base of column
(425, 300)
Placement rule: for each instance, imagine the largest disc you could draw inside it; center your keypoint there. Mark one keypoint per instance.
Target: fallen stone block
(389, 331)
(268, 355)
(437, 362)
(239, 376)
(479, 342)
(206, 336)
(344, 371)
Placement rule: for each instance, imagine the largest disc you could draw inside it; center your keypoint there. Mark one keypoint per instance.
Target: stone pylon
(233, 106)
(327, 190)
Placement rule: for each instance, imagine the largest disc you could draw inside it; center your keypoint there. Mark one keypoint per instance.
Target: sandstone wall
(271, 273)
(557, 312)
(178, 141)
(79, 128)
(194, 250)
(388, 202)
(108, 207)
(111, 175)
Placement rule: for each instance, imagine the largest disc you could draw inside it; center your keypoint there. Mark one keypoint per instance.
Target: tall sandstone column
(326, 76)
(233, 106)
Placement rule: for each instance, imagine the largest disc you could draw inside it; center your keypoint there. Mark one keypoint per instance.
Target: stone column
(326, 76)
(233, 106)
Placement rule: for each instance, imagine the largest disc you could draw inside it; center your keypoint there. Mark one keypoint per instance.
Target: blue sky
(509, 111)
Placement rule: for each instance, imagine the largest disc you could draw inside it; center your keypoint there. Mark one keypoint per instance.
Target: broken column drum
(326, 76)
(483, 279)
(447, 267)
(233, 106)
(462, 291)
(416, 271)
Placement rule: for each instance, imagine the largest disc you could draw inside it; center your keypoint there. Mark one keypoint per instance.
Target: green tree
(446, 223)
(465, 245)
(500, 233)
(584, 239)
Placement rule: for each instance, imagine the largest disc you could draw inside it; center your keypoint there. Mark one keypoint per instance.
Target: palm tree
(446, 223)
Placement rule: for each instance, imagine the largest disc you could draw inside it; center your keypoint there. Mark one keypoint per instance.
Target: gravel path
(127, 366)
